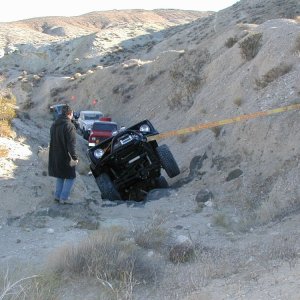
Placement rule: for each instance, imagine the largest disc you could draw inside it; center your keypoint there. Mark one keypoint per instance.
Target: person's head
(67, 111)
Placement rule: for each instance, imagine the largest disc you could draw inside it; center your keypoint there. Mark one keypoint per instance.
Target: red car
(100, 131)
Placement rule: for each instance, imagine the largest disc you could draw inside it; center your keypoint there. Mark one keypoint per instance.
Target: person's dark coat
(62, 141)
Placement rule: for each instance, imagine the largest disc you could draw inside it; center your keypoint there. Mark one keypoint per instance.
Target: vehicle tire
(161, 182)
(167, 161)
(107, 188)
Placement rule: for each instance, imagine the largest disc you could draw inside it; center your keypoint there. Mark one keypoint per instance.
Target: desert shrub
(15, 285)
(7, 112)
(151, 78)
(216, 130)
(230, 42)
(187, 77)
(3, 151)
(273, 74)
(297, 46)
(250, 46)
(220, 219)
(238, 101)
(152, 236)
(107, 255)
(56, 91)
(183, 138)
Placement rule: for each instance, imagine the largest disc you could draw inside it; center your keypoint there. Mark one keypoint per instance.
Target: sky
(14, 10)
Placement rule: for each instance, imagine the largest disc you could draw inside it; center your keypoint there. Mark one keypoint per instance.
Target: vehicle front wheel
(107, 188)
(167, 161)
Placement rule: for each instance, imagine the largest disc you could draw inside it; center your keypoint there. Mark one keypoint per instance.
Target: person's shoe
(56, 200)
(65, 202)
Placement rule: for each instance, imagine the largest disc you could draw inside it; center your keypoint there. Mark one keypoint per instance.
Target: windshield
(104, 127)
(92, 116)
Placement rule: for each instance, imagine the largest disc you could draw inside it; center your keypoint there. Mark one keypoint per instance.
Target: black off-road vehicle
(127, 166)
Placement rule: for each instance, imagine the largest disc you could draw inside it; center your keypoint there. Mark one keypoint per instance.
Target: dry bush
(183, 138)
(152, 236)
(151, 78)
(238, 101)
(297, 46)
(281, 248)
(187, 78)
(15, 285)
(273, 74)
(230, 42)
(3, 151)
(220, 219)
(216, 130)
(107, 255)
(250, 46)
(7, 112)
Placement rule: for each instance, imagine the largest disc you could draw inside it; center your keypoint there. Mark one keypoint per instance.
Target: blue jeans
(63, 188)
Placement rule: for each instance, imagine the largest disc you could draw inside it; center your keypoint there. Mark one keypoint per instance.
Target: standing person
(62, 149)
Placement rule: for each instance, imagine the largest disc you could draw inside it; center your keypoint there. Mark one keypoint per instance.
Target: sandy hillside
(235, 205)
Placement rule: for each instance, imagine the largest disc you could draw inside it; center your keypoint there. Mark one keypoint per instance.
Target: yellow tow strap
(240, 118)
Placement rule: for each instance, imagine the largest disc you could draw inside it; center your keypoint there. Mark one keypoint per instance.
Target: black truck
(127, 165)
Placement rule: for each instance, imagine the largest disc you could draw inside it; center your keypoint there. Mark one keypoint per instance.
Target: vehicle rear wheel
(161, 182)
(167, 161)
(107, 188)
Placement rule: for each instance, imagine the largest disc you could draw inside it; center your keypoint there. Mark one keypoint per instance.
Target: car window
(92, 116)
(105, 127)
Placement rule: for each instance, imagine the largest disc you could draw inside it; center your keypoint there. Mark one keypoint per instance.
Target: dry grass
(230, 42)
(7, 113)
(3, 151)
(273, 74)
(15, 286)
(152, 236)
(109, 256)
(250, 46)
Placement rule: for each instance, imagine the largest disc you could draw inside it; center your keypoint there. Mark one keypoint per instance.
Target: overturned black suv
(127, 165)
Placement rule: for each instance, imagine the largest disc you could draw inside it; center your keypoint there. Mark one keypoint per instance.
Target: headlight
(98, 153)
(144, 128)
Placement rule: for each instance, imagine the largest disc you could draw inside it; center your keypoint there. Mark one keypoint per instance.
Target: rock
(182, 250)
(234, 174)
(204, 196)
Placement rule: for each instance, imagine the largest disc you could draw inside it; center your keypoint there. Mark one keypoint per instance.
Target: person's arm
(71, 141)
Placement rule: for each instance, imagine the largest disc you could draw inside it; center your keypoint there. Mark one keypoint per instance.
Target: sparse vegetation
(238, 101)
(3, 151)
(230, 42)
(109, 256)
(152, 236)
(7, 112)
(187, 77)
(220, 219)
(216, 130)
(183, 138)
(251, 45)
(273, 74)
